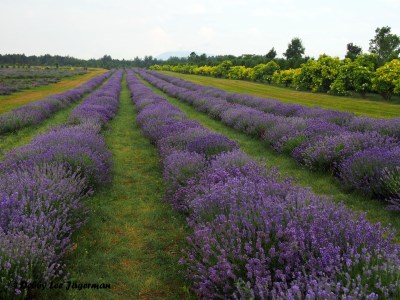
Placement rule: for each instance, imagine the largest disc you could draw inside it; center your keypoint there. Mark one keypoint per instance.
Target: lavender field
(238, 227)
(363, 152)
(17, 79)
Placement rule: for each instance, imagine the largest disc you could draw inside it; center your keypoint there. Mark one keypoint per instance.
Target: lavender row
(348, 121)
(255, 235)
(365, 161)
(43, 186)
(36, 112)
(101, 106)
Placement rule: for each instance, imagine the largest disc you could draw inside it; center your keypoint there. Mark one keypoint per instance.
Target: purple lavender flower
(212, 144)
(42, 190)
(327, 152)
(255, 234)
(374, 171)
(180, 166)
(101, 106)
(36, 112)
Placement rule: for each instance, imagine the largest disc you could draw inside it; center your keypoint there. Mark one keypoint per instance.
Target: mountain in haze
(166, 55)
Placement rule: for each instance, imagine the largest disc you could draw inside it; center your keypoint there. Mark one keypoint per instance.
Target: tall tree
(385, 44)
(271, 54)
(295, 49)
(353, 51)
(193, 57)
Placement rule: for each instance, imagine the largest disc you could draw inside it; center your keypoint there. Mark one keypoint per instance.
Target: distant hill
(166, 55)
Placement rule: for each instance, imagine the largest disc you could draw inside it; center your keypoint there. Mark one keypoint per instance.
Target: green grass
(372, 107)
(320, 183)
(133, 238)
(9, 102)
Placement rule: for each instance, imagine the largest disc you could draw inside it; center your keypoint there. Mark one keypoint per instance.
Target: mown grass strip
(9, 102)
(133, 238)
(319, 182)
(373, 107)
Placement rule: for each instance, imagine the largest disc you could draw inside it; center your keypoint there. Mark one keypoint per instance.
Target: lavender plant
(42, 190)
(36, 112)
(317, 138)
(257, 236)
(374, 171)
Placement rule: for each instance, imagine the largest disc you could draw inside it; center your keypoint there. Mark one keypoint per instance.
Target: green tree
(264, 72)
(387, 79)
(353, 51)
(286, 77)
(106, 61)
(318, 75)
(271, 54)
(222, 69)
(193, 58)
(370, 60)
(385, 44)
(240, 72)
(353, 76)
(295, 49)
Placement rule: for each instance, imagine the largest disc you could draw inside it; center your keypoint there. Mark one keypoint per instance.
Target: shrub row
(320, 139)
(36, 112)
(42, 190)
(255, 235)
(326, 74)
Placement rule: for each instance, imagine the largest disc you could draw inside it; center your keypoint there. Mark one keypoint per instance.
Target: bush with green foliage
(241, 72)
(264, 72)
(326, 74)
(353, 76)
(222, 69)
(286, 77)
(387, 79)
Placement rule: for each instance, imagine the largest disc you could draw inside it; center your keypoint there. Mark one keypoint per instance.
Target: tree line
(107, 62)
(377, 71)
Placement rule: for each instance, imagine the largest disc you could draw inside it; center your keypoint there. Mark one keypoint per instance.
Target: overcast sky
(129, 28)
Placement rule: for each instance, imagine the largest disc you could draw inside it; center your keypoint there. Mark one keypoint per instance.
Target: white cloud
(195, 8)
(160, 40)
(207, 33)
(129, 28)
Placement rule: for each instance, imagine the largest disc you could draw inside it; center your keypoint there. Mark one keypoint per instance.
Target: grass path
(319, 182)
(133, 238)
(9, 102)
(374, 107)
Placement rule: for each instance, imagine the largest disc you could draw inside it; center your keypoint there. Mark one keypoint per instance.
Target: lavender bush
(212, 144)
(75, 147)
(374, 171)
(257, 236)
(180, 140)
(16, 79)
(317, 138)
(36, 112)
(101, 106)
(179, 166)
(387, 127)
(42, 190)
(326, 153)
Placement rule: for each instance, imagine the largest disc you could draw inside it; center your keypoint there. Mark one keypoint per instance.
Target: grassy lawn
(133, 238)
(320, 183)
(373, 107)
(9, 102)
